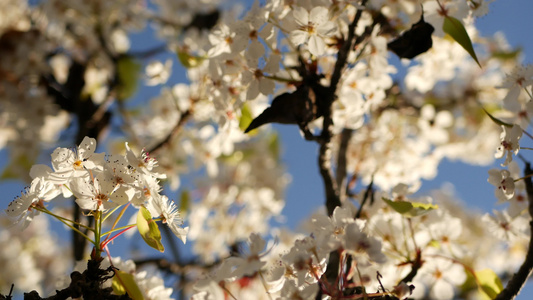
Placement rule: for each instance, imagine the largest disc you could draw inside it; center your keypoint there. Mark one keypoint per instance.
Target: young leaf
(414, 41)
(246, 117)
(273, 145)
(189, 61)
(18, 167)
(497, 121)
(125, 283)
(457, 31)
(185, 201)
(507, 55)
(410, 209)
(489, 283)
(149, 230)
(128, 76)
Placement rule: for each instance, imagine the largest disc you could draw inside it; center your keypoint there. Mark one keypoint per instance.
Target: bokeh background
(305, 193)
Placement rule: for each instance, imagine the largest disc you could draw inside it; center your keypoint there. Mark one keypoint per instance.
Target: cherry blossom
(505, 186)
(509, 143)
(312, 28)
(161, 206)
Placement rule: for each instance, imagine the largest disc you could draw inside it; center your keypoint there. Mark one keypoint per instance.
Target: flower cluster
(98, 183)
(383, 240)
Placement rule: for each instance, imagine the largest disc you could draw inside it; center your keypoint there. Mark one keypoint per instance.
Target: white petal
(87, 147)
(253, 90)
(298, 37)
(266, 86)
(326, 29)
(319, 15)
(317, 46)
(301, 16)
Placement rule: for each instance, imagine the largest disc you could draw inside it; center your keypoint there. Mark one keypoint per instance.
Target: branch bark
(341, 162)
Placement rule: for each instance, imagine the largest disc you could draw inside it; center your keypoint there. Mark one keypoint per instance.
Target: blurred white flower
(157, 72)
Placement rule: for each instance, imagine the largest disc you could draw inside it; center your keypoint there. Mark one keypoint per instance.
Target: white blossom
(509, 143)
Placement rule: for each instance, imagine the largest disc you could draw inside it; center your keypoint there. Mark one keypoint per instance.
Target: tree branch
(86, 285)
(369, 192)
(181, 122)
(324, 158)
(415, 266)
(519, 278)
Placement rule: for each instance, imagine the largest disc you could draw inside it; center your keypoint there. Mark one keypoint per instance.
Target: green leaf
(457, 31)
(246, 117)
(410, 209)
(149, 230)
(185, 201)
(507, 55)
(128, 70)
(435, 244)
(497, 121)
(189, 61)
(273, 145)
(18, 168)
(489, 283)
(470, 285)
(125, 283)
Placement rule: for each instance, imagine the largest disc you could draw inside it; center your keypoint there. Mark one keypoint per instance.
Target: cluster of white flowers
(98, 183)
(33, 259)
(381, 241)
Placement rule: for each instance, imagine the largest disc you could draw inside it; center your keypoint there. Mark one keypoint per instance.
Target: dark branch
(87, 285)
(368, 194)
(415, 266)
(181, 122)
(324, 158)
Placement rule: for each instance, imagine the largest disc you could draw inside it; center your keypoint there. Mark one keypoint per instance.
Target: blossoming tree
(72, 87)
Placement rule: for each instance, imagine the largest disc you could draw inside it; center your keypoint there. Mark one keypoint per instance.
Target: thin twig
(341, 161)
(519, 278)
(367, 195)
(415, 266)
(179, 125)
